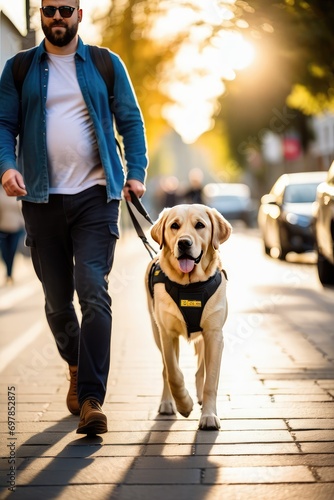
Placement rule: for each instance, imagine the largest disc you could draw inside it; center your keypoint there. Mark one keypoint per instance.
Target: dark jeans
(72, 240)
(8, 246)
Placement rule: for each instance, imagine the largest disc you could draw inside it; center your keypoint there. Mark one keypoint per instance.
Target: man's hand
(12, 182)
(133, 185)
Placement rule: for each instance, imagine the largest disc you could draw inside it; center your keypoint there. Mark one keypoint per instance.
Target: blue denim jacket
(32, 153)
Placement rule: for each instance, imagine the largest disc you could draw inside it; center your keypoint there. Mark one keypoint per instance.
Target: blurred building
(323, 147)
(15, 31)
(283, 153)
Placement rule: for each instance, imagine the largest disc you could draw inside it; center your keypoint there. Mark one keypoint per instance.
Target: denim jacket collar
(42, 53)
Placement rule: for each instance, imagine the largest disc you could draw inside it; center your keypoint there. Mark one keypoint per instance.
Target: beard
(60, 38)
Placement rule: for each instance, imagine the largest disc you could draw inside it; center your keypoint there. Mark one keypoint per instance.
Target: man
(71, 180)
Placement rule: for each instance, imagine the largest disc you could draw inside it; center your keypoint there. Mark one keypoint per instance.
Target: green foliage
(292, 77)
(301, 37)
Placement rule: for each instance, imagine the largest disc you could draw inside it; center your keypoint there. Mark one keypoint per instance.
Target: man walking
(70, 179)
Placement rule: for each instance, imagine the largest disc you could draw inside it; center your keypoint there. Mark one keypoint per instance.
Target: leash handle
(139, 206)
(141, 209)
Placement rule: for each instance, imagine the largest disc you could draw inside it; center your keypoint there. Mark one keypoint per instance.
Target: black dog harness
(190, 299)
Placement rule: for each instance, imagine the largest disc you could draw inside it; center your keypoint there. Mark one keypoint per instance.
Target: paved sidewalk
(276, 410)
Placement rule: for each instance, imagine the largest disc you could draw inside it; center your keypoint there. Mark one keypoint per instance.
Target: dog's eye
(175, 225)
(199, 225)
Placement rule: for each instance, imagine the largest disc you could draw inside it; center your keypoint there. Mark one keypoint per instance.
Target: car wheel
(266, 250)
(283, 237)
(325, 270)
(282, 255)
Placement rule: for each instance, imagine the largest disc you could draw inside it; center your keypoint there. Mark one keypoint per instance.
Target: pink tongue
(186, 265)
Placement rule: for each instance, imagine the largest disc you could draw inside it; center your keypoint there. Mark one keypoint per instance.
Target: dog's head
(190, 233)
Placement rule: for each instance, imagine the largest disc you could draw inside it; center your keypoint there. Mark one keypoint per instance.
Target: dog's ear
(158, 228)
(221, 228)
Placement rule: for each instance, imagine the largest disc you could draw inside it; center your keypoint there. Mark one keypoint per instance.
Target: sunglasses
(64, 11)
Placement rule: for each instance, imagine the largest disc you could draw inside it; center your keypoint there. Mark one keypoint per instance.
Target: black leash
(141, 209)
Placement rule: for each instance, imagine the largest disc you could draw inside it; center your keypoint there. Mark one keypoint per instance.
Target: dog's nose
(184, 244)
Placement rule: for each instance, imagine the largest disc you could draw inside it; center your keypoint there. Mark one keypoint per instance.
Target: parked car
(232, 200)
(324, 228)
(285, 214)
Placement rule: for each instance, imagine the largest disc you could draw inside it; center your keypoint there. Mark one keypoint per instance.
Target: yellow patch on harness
(191, 303)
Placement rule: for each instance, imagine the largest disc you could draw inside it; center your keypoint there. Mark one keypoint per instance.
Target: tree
(294, 75)
(127, 30)
(301, 37)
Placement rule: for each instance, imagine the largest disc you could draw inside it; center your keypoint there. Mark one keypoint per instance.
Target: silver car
(285, 214)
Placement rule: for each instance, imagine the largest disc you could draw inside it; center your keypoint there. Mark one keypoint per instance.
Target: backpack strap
(102, 60)
(100, 56)
(21, 65)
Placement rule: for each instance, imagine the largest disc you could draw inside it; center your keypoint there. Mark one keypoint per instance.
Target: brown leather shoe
(72, 395)
(92, 419)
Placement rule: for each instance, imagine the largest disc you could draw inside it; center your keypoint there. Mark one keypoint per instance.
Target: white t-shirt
(73, 157)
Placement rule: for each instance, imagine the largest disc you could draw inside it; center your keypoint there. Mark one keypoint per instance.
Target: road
(261, 290)
(276, 393)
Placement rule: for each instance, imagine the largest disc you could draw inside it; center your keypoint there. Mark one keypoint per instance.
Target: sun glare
(236, 52)
(196, 80)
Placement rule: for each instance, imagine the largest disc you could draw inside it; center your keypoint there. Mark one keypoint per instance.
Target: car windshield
(229, 200)
(300, 193)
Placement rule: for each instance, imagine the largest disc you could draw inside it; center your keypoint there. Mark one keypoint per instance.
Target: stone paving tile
(79, 451)
(33, 407)
(318, 423)
(70, 492)
(254, 424)
(228, 437)
(27, 416)
(221, 449)
(67, 425)
(315, 435)
(52, 416)
(214, 461)
(325, 410)
(60, 463)
(326, 474)
(279, 398)
(249, 475)
(227, 492)
(4, 463)
(163, 476)
(110, 408)
(294, 385)
(73, 439)
(326, 383)
(323, 447)
(107, 474)
(310, 390)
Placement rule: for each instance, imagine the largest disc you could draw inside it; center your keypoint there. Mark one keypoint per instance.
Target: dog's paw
(185, 406)
(209, 422)
(167, 408)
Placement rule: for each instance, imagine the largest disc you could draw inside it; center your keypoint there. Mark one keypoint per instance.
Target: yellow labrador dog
(186, 289)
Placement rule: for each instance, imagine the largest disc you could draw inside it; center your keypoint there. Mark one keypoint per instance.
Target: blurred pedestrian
(71, 180)
(170, 195)
(11, 231)
(194, 193)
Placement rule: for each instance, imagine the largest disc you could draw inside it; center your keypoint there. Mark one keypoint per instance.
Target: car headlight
(298, 220)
